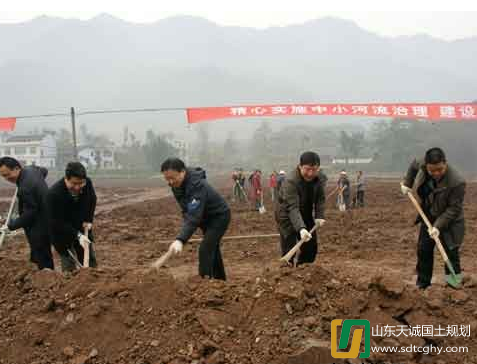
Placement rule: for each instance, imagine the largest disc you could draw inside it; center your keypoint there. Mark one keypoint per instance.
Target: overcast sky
(443, 24)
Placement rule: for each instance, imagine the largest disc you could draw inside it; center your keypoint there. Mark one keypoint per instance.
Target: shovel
(243, 191)
(86, 249)
(332, 193)
(453, 280)
(261, 209)
(10, 210)
(75, 259)
(162, 260)
(297, 247)
(341, 204)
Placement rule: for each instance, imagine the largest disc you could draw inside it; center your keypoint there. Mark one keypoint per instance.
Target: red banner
(7, 124)
(435, 112)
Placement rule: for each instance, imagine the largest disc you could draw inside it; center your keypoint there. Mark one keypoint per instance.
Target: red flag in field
(7, 124)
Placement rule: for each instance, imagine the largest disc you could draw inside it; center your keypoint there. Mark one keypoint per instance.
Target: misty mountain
(49, 64)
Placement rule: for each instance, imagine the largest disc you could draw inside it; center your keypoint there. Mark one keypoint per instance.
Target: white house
(362, 160)
(90, 157)
(31, 149)
(182, 148)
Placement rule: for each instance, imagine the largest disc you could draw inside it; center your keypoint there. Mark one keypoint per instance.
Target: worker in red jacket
(273, 185)
(256, 189)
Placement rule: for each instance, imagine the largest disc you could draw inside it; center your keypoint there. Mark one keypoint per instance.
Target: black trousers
(308, 250)
(346, 200)
(40, 251)
(360, 199)
(67, 262)
(425, 258)
(211, 264)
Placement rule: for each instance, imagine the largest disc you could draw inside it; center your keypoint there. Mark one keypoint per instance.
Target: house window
(20, 150)
(107, 153)
(42, 153)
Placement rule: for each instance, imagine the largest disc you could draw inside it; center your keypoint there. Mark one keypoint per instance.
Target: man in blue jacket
(202, 207)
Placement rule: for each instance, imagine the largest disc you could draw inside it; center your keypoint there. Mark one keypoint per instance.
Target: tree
(351, 144)
(261, 147)
(203, 144)
(131, 155)
(397, 142)
(156, 149)
(231, 149)
(64, 148)
(125, 136)
(98, 158)
(85, 137)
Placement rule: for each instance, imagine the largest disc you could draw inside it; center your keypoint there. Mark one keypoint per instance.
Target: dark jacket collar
(450, 179)
(21, 177)
(299, 178)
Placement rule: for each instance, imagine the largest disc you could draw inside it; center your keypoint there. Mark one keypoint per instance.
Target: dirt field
(264, 314)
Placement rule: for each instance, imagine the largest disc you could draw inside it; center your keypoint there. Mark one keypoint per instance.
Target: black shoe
(422, 286)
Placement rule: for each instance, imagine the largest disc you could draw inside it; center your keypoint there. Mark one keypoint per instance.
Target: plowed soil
(266, 313)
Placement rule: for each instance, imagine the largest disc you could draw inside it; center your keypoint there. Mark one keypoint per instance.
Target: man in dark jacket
(32, 208)
(360, 188)
(71, 203)
(344, 190)
(201, 207)
(302, 195)
(235, 186)
(441, 190)
(241, 185)
(280, 179)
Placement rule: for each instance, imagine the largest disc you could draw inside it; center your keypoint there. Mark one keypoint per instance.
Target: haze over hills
(49, 64)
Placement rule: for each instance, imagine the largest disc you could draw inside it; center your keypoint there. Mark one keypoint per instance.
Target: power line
(40, 116)
(118, 111)
(94, 112)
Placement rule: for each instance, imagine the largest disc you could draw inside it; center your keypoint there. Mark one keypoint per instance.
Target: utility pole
(73, 129)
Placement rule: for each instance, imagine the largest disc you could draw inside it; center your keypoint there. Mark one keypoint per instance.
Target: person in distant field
(344, 190)
(256, 189)
(280, 179)
(235, 186)
(360, 188)
(273, 185)
(241, 181)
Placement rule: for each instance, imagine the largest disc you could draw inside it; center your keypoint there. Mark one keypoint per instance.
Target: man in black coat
(201, 207)
(71, 203)
(441, 190)
(32, 208)
(300, 206)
